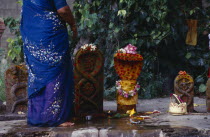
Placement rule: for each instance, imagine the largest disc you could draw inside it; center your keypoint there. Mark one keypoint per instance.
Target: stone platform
(160, 125)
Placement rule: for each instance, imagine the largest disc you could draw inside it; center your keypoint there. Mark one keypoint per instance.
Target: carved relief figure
(16, 85)
(88, 77)
(184, 87)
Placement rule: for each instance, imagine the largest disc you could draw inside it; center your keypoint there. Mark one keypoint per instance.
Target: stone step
(160, 125)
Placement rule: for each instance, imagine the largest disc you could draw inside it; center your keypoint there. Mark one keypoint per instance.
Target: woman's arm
(66, 15)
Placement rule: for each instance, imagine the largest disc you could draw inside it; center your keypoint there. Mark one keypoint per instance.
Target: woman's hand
(67, 16)
(74, 29)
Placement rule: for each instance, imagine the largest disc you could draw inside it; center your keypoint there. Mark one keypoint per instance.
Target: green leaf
(202, 88)
(17, 50)
(116, 30)
(191, 12)
(199, 79)
(16, 27)
(111, 25)
(188, 55)
(148, 19)
(157, 42)
(9, 53)
(118, 115)
(121, 13)
(9, 40)
(20, 2)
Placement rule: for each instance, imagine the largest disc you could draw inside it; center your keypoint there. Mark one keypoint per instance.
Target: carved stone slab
(184, 87)
(88, 78)
(16, 86)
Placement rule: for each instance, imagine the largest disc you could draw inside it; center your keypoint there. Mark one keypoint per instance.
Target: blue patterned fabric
(46, 50)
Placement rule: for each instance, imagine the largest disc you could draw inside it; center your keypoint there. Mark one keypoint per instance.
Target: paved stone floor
(160, 125)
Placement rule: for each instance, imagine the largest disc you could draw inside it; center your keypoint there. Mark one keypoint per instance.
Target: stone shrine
(128, 65)
(89, 81)
(16, 86)
(184, 87)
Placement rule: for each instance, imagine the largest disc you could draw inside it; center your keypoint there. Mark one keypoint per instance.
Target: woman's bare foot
(66, 124)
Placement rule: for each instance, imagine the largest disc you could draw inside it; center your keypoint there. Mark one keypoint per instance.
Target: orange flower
(182, 72)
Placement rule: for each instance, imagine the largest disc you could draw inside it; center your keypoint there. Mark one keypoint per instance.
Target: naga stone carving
(16, 86)
(88, 78)
(184, 87)
(128, 65)
(208, 92)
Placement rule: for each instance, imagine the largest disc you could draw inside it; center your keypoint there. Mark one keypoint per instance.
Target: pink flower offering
(137, 86)
(130, 49)
(126, 95)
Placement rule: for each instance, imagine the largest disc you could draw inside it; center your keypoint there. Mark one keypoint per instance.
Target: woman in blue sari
(46, 49)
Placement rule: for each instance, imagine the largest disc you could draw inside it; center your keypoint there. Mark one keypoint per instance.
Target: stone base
(124, 108)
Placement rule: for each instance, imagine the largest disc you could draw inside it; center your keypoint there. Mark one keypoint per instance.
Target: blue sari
(46, 50)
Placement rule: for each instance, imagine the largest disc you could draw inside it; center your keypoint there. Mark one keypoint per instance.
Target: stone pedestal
(208, 92)
(89, 82)
(16, 86)
(184, 87)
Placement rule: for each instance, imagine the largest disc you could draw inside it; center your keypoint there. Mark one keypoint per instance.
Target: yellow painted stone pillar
(128, 67)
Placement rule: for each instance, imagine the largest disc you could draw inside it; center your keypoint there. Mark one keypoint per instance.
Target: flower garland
(183, 74)
(121, 50)
(129, 49)
(125, 94)
(90, 47)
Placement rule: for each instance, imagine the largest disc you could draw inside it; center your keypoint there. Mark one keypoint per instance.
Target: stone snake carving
(88, 75)
(16, 85)
(185, 92)
(184, 87)
(14, 89)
